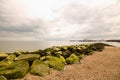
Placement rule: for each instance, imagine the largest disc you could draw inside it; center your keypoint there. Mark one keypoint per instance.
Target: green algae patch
(29, 57)
(72, 59)
(17, 69)
(39, 68)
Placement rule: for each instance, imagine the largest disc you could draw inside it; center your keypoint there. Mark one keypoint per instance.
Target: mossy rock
(29, 57)
(17, 69)
(42, 58)
(55, 63)
(47, 53)
(40, 52)
(57, 54)
(3, 56)
(97, 46)
(62, 59)
(64, 48)
(72, 59)
(11, 57)
(66, 53)
(83, 47)
(5, 63)
(81, 56)
(17, 53)
(79, 49)
(2, 77)
(74, 49)
(38, 68)
(51, 51)
(55, 48)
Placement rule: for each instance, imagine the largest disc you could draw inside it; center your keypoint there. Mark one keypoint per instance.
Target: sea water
(12, 46)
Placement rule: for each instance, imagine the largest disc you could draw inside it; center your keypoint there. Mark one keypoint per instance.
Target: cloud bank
(70, 19)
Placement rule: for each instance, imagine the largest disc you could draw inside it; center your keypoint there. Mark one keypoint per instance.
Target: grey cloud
(90, 23)
(14, 20)
(101, 21)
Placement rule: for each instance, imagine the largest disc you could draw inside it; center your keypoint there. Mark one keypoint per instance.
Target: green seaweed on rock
(39, 68)
(2, 77)
(16, 65)
(29, 57)
(10, 57)
(72, 59)
(3, 56)
(55, 63)
(16, 69)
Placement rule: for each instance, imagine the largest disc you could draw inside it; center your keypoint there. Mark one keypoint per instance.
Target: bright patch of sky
(47, 9)
(97, 2)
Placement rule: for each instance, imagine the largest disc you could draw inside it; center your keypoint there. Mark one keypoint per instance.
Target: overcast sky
(59, 19)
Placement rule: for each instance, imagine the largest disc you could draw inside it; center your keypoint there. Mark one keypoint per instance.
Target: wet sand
(103, 65)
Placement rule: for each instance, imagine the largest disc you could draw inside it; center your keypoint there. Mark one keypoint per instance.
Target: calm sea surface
(12, 46)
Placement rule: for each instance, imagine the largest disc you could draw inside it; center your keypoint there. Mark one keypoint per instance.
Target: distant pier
(87, 40)
(94, 40)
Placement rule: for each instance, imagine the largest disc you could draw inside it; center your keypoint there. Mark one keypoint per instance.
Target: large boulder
(16, 69)
(66, 53)
(2, 77)
(3, 55)
(62, 59)
(57, 54)
(40, 52)
(64, 48)
(72, 59)
(5, 63)
(51, 51)
(97, 46)
(11, 57)
(81, 56)
(17, 53)
(38, 68)
(54, 62)
(29, 57)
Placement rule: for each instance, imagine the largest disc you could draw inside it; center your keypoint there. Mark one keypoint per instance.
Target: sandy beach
(103, 65)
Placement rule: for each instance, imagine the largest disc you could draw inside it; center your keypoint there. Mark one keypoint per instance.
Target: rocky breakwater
(18, 64)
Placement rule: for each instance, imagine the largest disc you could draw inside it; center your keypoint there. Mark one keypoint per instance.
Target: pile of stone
(18, 64)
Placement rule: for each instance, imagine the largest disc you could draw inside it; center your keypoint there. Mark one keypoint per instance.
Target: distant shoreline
(94, 40)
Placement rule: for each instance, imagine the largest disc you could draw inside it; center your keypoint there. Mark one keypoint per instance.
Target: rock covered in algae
(29, 57)
(39, 68)
(54, 62)
(72, 59)
(2, 77)
(16, 69)
(16, 65)
(11, 57)
(5, 63)
(3, 55)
